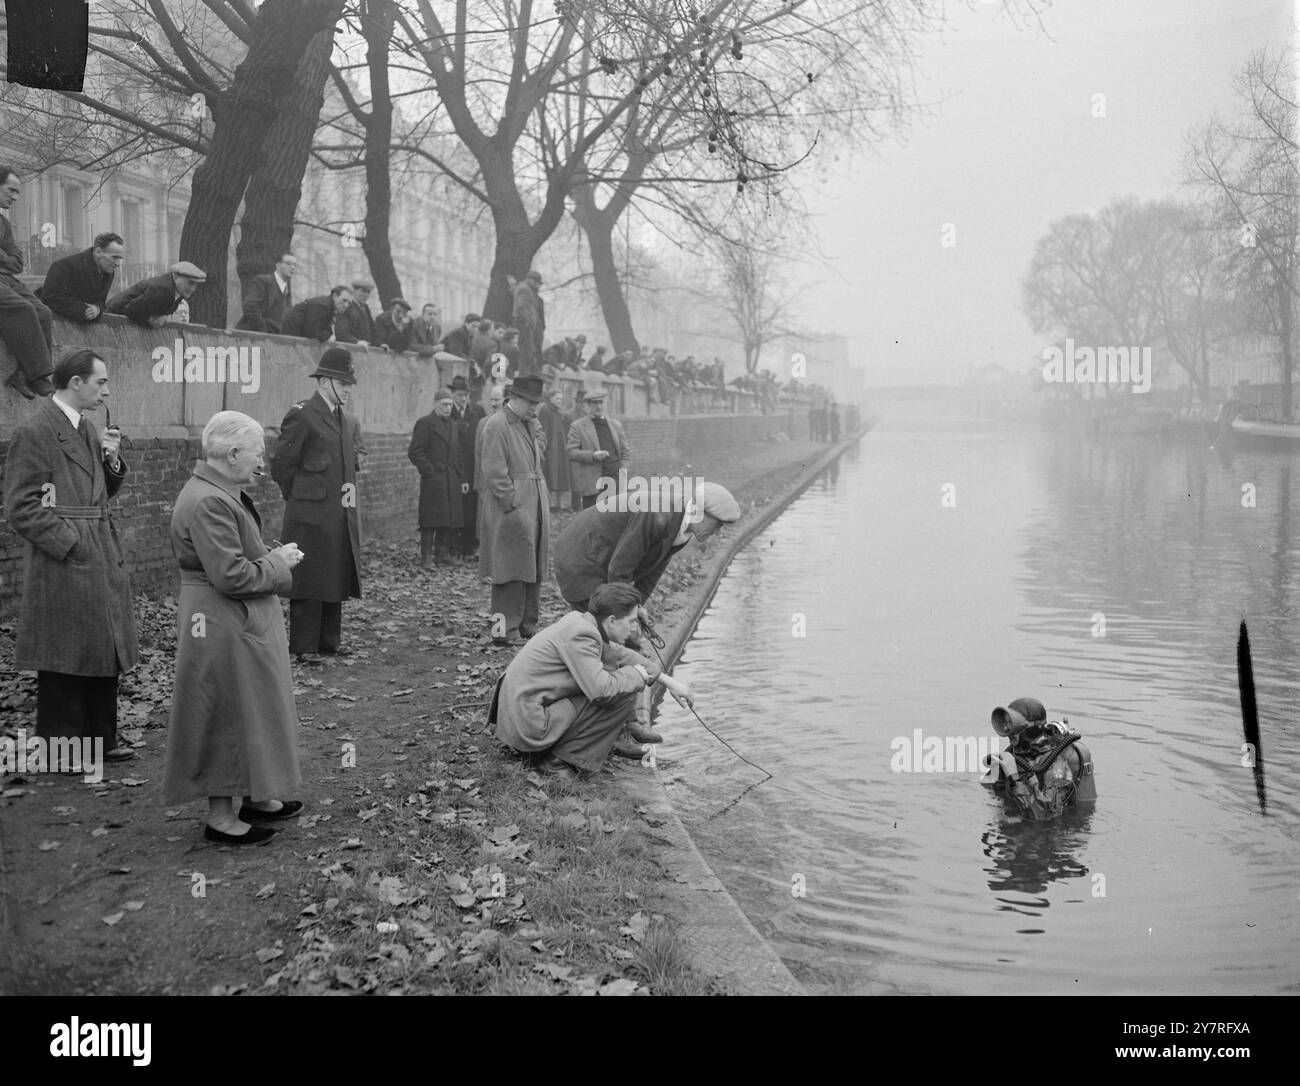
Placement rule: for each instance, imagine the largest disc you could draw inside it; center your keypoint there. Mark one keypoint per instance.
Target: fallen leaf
(620, 987)
(64, 811)
(49, 846)
(99, 831)
(503, 835)
(133, 906)
(112, 918)
(636, 926)
(269, 954)
(265, 892)
(133, 782)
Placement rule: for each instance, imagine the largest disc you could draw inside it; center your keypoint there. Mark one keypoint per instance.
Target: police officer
(315, 465)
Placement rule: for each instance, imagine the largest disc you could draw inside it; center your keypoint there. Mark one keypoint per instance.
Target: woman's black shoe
(255, 835)
(252, 814)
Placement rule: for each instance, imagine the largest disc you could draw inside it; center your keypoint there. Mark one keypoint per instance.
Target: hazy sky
(1010, 144)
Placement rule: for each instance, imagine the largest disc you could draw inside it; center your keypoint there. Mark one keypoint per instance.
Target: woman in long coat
(555, 425)
(234, 727)
(435, 452)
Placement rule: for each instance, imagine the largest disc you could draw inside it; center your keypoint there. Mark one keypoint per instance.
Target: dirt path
(436, 863)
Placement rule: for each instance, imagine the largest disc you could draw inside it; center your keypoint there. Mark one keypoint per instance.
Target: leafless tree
(1248, 165)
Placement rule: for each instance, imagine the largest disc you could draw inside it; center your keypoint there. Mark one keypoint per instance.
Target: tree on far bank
(1249, 167)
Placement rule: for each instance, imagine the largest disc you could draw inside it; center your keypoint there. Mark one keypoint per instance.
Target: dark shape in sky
(47, 43)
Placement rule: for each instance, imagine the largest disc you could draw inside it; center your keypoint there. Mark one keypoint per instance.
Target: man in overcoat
(76, 629)
(356, 324)
(467, 415)
(555, 425)
(151, 301)
(435, 450)
(314, 318)
(528, 314)
(600, 546)
(269, 297)
(315, 465)
(76, 287)
(25, 323)
(516, 515)
(597, 449)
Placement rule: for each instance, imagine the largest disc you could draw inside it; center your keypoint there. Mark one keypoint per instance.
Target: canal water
(1106, 578)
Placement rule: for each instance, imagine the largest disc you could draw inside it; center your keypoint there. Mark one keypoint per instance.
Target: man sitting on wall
(314, 318)
(460, 341)
(25, 324)
(356, 324)
(76, 287)
(151, 301)
(394, 328)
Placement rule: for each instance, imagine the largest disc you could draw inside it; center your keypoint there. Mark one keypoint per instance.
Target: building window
(133, 230)
(74, 216)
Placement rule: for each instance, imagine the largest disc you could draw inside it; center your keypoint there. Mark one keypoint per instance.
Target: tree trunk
(377, 29)
(266, 229)
(242, 117)
(598, 225)
(517, 240)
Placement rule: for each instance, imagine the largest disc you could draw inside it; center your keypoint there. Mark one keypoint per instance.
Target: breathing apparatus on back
(1046, 767)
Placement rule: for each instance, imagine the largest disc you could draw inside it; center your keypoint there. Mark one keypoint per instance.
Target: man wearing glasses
(269, 298)
(76, 287)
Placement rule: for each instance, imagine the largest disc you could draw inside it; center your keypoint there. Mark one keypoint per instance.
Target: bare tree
(1194, 304)
(745, 279)
(1248, 165)
(170, 77)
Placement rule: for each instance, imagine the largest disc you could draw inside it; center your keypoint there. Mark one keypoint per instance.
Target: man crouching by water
(569, 691)
(1046, 768)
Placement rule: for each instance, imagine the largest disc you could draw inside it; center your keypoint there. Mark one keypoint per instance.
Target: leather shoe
(252, 814)
(119, 754)
(18, 383)
(255, 835)
(642, 734)
(340, 651)
(625, 748)
(310, 658)
(554, 767)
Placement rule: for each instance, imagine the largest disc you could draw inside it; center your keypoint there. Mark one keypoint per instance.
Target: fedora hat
(529, 387)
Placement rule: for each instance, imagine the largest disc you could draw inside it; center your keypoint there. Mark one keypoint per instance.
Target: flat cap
(190, 271)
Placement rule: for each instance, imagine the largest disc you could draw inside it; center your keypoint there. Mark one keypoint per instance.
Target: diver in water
(1046, 768)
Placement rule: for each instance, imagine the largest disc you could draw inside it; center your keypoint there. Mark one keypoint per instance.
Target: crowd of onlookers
(80, 287)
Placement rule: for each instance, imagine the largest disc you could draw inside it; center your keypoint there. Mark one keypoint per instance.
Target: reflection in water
(1108, 578)
(1025, 856)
